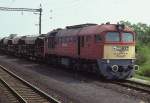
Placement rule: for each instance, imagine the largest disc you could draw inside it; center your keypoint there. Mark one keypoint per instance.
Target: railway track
(130, 84)
(21, 91)
(145, 88)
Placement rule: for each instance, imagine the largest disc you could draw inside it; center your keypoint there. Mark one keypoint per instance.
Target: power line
(27, 10)
(19, 9)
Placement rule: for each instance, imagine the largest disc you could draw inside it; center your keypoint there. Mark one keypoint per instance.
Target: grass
(142, 77)
(143, 60)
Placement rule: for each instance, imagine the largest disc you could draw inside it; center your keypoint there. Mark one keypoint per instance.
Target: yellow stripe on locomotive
(119, 51)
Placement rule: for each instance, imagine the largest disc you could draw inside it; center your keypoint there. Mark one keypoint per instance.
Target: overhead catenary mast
(27, 10)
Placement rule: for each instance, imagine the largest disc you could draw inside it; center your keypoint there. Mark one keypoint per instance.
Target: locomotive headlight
(108, 61)
(132, 61)
(115, 68)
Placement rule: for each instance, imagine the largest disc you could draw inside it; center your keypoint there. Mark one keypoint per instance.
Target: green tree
(142, 31)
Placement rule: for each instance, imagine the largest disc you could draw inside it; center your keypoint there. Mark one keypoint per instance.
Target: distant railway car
(30, 46)
(15, 42)
(108, 49)
(10, 46)
(22, 46)
(1, 44)
(40, 47)
(5, 44)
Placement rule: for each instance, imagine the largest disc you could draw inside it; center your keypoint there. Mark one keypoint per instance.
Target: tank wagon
(106, 49)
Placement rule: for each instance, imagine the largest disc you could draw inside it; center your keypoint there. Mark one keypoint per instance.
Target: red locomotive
(107, 49)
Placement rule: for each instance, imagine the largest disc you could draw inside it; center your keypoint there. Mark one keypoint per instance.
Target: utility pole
(27, 10)
(40, 19)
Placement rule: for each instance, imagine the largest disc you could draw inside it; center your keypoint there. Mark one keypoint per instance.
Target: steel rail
(134, 85)
(37, 90)
(20, 99)
(138, 83)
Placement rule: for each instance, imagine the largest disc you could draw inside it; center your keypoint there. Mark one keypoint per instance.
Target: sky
(61, 13)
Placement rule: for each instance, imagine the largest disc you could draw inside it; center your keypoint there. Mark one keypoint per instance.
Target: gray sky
(70, 12)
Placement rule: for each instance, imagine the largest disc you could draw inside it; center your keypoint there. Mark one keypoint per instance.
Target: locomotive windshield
(112, 37)
(117, 37)
(127, 37)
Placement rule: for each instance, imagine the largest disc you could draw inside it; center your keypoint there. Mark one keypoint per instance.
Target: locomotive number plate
(121, 51)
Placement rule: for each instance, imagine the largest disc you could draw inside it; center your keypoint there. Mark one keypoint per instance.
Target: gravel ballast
(64, 85)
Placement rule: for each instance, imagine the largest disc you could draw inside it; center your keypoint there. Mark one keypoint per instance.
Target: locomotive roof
(87, 30)
(53, 32)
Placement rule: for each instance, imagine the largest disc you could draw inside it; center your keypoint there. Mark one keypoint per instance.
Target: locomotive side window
(98, 38)
(127, 37)
(112, 37)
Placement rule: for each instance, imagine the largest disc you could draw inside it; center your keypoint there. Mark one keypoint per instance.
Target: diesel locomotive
(106, 49)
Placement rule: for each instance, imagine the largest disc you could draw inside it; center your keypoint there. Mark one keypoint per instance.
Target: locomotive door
(80, 44)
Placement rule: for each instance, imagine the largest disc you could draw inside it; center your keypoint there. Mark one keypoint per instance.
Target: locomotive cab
(118, 60)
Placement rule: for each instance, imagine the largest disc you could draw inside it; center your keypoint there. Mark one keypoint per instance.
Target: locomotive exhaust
(115, 68)
(136, 67)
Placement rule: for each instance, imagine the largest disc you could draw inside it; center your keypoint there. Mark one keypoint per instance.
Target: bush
(143, 59)
(142, 54)
(145, 71)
